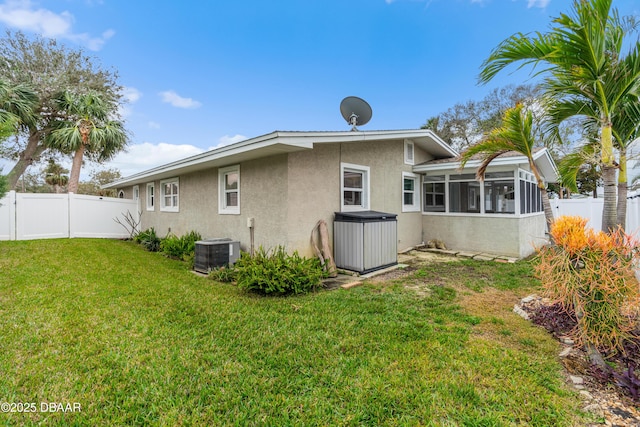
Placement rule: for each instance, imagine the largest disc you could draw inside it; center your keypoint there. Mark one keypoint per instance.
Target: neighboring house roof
(279, 142)
(541, 157)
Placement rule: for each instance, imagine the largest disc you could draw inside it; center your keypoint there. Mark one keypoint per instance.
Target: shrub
(148, 239)
(276, 272)
(182, 248)
(223, 274)
(592, 274)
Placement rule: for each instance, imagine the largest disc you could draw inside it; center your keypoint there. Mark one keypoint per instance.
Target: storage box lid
(364, 216)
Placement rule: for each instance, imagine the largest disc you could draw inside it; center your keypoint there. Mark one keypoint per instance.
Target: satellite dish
(355, 111)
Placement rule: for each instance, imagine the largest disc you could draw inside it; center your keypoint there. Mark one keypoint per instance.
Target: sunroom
(501, 215)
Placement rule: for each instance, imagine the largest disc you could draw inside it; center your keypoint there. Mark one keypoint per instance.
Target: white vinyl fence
(591, 209)
(26, 216)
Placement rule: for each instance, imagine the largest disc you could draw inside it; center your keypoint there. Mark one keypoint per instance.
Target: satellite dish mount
(355, 111)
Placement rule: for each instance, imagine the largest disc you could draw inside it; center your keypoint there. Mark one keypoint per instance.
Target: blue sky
(199, 74)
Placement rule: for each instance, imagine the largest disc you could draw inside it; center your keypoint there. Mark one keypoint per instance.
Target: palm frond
(570, 165)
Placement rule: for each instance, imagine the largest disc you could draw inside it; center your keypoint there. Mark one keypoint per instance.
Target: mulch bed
(613, 394)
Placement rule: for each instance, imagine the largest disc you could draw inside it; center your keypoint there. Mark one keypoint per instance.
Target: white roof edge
(473, 164)
(298, 139)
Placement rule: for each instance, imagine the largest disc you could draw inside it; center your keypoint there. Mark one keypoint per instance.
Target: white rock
(565, 352)
(528, 299)
(576, 380)
(520, 312)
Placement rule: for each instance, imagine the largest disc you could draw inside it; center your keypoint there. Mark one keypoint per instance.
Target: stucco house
(282, 183)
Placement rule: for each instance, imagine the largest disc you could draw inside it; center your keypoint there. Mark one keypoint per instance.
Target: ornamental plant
(274, 272)
(592, 275)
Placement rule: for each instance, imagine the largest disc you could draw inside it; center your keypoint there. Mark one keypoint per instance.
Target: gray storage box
(365, 241)
(215, 253)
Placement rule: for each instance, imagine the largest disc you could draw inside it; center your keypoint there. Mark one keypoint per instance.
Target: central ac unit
(215, 253)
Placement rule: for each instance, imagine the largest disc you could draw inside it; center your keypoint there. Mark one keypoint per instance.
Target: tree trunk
(609, 215)
(548, 211)
(546, 204)
(31, 153)
(622, 190)
(74, 176)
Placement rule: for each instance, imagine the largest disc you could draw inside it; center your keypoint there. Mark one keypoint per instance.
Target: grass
(137, 339)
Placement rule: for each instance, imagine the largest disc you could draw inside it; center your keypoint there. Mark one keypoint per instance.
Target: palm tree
(17, 103)
(584, 64)
(517, 134)
(55, 175)
(625, 129)
(88, 128)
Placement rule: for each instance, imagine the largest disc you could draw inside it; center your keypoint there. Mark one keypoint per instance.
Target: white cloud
(130, 95)
(140, 157)
(153, 125)
(538, 3)
(227, 140)
(178, 101)
(24, 15)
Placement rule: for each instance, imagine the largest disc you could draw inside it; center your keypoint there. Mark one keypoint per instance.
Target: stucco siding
(313, 194)
(386, 160)
(263, 192)
(287, 194)
(263, 196)
(503, 235)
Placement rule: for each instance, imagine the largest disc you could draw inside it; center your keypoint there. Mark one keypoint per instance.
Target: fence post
(13, 215)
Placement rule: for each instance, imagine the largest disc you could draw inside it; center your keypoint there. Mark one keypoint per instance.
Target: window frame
(415, 206)
(163, 206)
(366, 188)
(136, 192)
(151, 196)
(223, 209)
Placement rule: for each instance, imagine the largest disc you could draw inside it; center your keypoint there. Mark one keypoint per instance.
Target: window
(136, 192)
(433, 190)
(150, 196)
(464, 195)
(229, 190)
(355, 187)
(410, 192)
(499, 197)
(530, 193)
(409, 153)
(169, 195)
(121, 194)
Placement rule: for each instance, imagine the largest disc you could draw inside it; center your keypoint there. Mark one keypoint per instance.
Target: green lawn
(137, 339)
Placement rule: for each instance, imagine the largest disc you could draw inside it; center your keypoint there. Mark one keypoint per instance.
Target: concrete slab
(484, 258)
(384, 270)
(467, 254)
(440, 251)
(332, 283)
(510, 260)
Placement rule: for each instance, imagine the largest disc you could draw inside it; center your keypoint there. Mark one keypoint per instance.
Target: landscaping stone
(566, 352)
(520, 312)
(566, 340)
(351, 285)
(576, 379)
